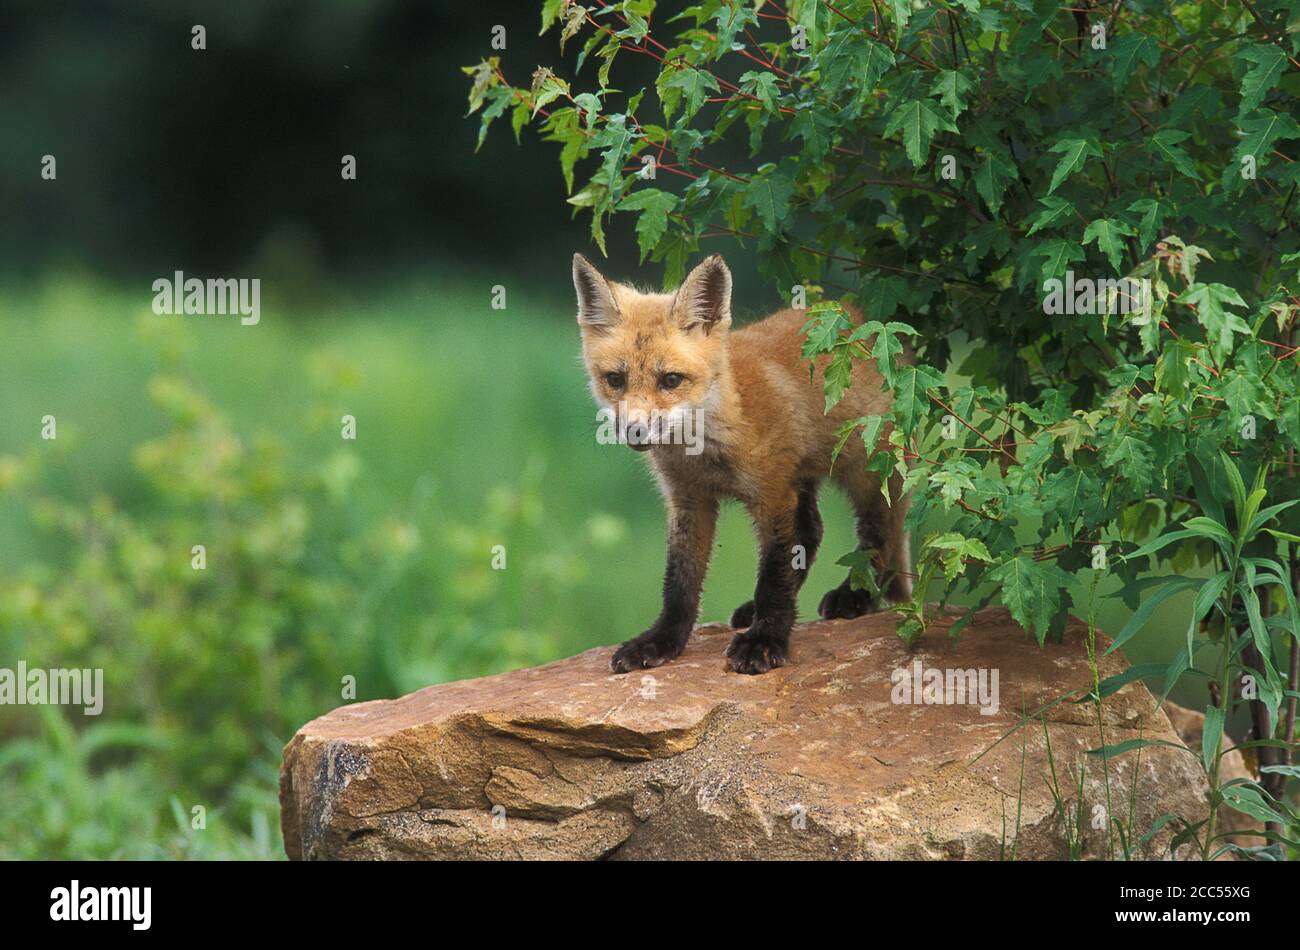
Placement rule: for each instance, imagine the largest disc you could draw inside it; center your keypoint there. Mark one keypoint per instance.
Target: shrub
(971, 174)
(208, 671)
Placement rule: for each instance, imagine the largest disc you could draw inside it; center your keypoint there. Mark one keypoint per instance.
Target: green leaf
(870, 426)
(1113, 684)
(886, 344)
(955, 550)
(1220, 324)
(1165, 144)
(910, 389)
(484, 76)
(1129, 50)
(1174, 368)
(1210, 485)
(1167, 589)
(1260, 133)
(501, 97)
(685, 82)
(1132, 456)
(862, 573)
(1209, 528)
(1153, 212)
(951, 481)
(1212, 736)
(951, 87)
(1128, 745)
(1069, 494)
(1075, 153)
(877, 61)
(1248, 800)
(654, 206)
(1057, 256)
(838, 375)
(1236, 484)
(902, 14)
(615, 140)
(919, 121)
(1109, 234)
(1267, 62)
(1289, 419)
(547, 87)
(991, 177)
(1056, 211)
(762, 85)
(1031, 590)
(1197, 98)
(1159, 544)
(1242, 393)
(813, 17)
(817, 129)
(822, 331)
(853, 57)
(768, 193)
(551, 12)
(881, 298)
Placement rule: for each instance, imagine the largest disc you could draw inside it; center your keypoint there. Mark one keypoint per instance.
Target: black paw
(761, 648)
(743, 615)
(845, 603)
(653, 648)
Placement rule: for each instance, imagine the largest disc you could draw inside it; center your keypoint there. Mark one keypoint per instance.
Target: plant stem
(1225, 702)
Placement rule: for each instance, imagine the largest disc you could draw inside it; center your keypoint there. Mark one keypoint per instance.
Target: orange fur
(764, 430)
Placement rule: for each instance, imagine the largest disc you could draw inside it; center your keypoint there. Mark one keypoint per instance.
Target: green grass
(474, 428)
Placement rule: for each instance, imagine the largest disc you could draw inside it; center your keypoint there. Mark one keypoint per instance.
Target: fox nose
(637, 432)
(639, 436)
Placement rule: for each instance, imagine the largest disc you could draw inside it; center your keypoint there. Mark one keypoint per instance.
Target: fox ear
(704, 298)
(597, 308)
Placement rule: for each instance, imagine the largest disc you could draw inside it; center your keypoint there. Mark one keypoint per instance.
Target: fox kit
(660, 363)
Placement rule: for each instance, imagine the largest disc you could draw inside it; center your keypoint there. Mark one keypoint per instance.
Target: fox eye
(671, 380)
(615, 380)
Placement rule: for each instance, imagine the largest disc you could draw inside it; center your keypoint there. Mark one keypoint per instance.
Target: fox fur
(767, 442)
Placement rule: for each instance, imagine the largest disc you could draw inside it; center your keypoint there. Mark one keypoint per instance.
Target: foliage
(976, 177)
(207, 672)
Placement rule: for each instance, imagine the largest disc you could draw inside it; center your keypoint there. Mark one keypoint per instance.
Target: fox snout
(639, 433)
(639, 427)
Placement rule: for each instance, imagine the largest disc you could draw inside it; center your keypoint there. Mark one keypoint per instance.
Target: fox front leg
(766, 644)
(690, 543)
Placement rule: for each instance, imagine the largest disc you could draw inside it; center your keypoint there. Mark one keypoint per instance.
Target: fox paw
(759, 649)
(743, 615)
(845, 603)
(645, 652)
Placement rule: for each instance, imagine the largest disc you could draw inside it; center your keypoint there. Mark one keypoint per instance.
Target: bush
(208, 670)
(978, 177)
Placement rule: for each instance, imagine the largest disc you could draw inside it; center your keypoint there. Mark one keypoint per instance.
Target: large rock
(814, 760)
(1190, 726)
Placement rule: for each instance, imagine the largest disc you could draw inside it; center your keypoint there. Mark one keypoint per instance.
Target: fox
(659, 361)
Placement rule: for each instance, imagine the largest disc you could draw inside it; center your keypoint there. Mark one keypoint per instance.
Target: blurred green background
(328, 561)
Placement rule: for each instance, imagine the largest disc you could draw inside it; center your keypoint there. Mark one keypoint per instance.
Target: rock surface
(813, 760)
(1190, 726)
